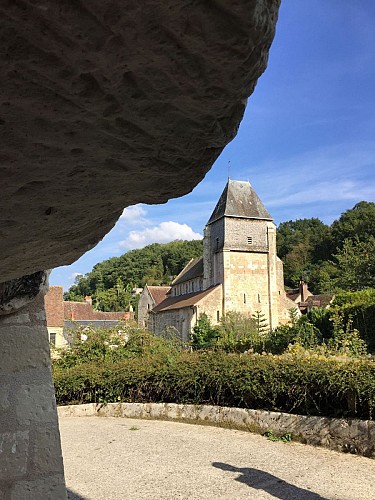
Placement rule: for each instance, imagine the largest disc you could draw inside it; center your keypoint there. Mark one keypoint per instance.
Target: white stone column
(31, 466)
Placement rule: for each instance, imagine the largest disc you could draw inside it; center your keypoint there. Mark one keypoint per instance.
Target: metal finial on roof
(228, 170)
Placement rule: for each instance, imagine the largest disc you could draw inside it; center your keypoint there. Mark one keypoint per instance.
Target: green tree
(260, 323)
(204, 335)
(358, 222)
(302, 244)
(356, 264)
(110, 282)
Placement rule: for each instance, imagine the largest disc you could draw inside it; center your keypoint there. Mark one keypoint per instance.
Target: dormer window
(249, 240)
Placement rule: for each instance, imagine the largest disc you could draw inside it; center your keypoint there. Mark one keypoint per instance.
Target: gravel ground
(117, 458)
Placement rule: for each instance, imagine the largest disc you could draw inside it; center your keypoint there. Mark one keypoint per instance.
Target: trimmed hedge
(306, 384)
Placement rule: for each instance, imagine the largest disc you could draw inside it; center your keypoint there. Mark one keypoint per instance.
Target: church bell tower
(239, 252)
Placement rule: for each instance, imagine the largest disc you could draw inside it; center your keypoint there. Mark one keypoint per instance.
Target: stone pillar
(31, 466)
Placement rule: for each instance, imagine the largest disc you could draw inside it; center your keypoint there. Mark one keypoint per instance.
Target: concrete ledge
(354, 436)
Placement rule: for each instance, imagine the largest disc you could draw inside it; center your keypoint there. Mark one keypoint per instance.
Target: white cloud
(162, 233)
(74, 275)
(322, 176)
(134, 215)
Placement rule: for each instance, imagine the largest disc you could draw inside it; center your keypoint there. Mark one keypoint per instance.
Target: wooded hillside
(330, 258)
(110, 282)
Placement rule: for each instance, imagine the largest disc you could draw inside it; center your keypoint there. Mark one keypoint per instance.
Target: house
(62, 315)
(239, 269)
(305, 300)
(150, 297)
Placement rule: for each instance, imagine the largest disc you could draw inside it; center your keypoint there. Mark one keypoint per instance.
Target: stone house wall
(54, 306)
(145, 304)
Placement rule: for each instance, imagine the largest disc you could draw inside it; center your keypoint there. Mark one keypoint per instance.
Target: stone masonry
(30, 455)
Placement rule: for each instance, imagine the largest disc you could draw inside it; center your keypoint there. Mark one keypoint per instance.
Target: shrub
(238, 333)
(111, 345)
(296, 382)
(358, 308)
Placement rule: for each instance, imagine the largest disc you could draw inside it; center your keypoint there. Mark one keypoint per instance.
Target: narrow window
(52, 338)
(217, 315)
(244, 298)
(249, 240)
(259, 297)
(217, 243)
(148, 306)
(192, 286)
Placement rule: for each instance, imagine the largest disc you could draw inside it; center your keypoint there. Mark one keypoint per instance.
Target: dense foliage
(343, 329)
(330, 258)
(149, 370)
(110, 282)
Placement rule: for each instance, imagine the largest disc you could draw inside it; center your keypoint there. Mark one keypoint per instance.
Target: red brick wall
(53, 301)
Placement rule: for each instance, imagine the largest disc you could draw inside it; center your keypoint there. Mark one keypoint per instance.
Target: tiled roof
(77, 311)
(293, 294)
(181, 301)
(239, 200)
(321, 300)
(193, 269)
(158, 293)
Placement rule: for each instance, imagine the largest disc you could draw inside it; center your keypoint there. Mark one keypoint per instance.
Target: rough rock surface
(17, 293)
(107, 103)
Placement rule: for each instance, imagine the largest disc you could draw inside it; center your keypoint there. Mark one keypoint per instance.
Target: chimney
(303, 290)
(88, 299)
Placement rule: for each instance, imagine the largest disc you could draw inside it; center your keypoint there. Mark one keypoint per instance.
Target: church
(239, 270)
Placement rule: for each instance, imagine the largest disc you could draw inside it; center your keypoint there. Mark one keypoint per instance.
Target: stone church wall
(212, 243)
(183, 320)
(246, 287)
(212, 305)
(249, 235)
(180, 320)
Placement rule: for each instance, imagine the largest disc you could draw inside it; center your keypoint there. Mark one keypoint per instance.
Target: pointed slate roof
(239, 200)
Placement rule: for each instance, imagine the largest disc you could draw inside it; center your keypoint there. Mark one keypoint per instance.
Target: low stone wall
(354, 436)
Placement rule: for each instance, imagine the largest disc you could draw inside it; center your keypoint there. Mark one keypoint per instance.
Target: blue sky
(306, 142)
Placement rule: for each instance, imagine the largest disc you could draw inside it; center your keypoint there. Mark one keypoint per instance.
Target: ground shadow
(273, 485)
(72, 495)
